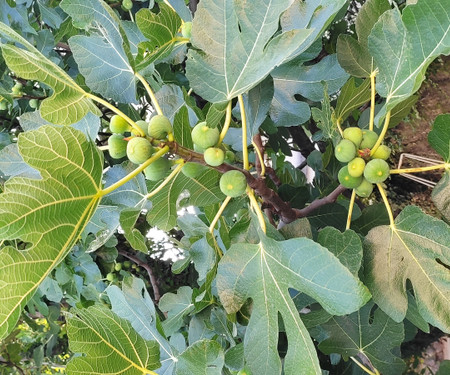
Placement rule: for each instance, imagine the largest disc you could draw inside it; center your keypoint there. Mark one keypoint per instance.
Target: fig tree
(139, 150)
(369, 139)
(117, 146)
(376, 171)
(214, 156)
(382, 152)
(204, 136)
(193, 170)
(159, 126)
(117, 124)
(356, 167)
(364, 189)
(142, 125)
(347, 180)
(233, 183)
(157, 170)
(345, 151)
(353, 134)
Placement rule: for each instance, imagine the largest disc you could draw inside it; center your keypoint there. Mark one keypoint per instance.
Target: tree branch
(330, 198)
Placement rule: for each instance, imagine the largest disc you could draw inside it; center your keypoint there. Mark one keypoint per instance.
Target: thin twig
(151, 275)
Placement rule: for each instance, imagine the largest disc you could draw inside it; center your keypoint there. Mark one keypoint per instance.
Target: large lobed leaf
(417, 249)
(110, 343)
(48, 214)
(265, 272)
(104, 56)
(235, 46)
(370, 338)
(403, 45)
(68, 103)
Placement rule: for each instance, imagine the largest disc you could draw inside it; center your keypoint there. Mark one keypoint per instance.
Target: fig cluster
(362, 169)
(125, 142)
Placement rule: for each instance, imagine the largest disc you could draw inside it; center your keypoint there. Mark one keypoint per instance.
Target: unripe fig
(143, 125)
(204, 136)
(345, 151)
(17, 88)
(186, 29)
(230, 157)
(214, 156)
(118, 266)
(157, 170)
(233, 183)
(347, 180)
(193, 170)
(159, 126)
(33, 103)
(356, 167)
(382, 152)
(117, 146)
(127, 4)
(369, 139)
(110, 276)
(376, 171)
(3, 105)
(127, 264)
(353, 134)
(139, 150)
(364, 189)
(117, 124)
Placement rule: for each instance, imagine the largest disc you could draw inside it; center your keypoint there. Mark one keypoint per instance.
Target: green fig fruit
(382, 152)
(214, 156)
(157, 170)
(118, 125)
(353, 134)
(345, 151)
(376, 171)
(356, 167)
(233, 183)
(117, 146)
(159, 126)
(347, 180)
(139, 150)
(364, 189)
(142, 125)
(204, 136)
(193, 170)
(369, 139)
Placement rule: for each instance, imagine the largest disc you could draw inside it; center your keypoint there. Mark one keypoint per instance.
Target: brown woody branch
(151, 275)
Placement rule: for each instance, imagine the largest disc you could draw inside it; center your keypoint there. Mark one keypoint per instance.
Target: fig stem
(372, 98)
(226, 124)
(133, 174)
(420, 169)
(166, 181)
(244, 132)
(388, 206)
(150, 93)
(219, 214)
(382, 134)
(261, 159)
(338, 123)
(257, 209)
(117, 112)
(350, 209)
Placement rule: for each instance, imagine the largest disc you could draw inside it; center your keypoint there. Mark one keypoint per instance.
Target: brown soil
(412, 136)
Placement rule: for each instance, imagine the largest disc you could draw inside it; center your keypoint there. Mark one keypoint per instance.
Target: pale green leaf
(314, 14)
(353, 54)
(202, 191)
(161, 30)
(235, 46)
(439, 136)
(400, 111)
(102, 56)
(403, 45)
(68, 103)
(415, 249)
(110, 344)
(265, 272)
(351, 97)
(347, 247)
(257, 104)
(361, 334)
(171, 99)
(48, 214)
(177, 307)
(441, 195)
(182, 129)
(205, 357)
(128, 219)
(134, 304)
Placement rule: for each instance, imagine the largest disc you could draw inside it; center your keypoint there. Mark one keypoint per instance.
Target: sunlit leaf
(265, 272)
(235, 46)
(47, 214)
(203, 357)
(110, 344)
(351, 97)
(416, 249)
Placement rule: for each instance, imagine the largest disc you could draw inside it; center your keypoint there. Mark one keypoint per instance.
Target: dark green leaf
(439, 136)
